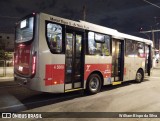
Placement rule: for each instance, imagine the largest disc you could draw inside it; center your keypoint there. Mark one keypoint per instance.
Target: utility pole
(151, 31)
(84, 12)
(153, 39)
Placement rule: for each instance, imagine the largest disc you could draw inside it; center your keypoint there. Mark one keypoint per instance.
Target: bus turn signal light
(34, 64)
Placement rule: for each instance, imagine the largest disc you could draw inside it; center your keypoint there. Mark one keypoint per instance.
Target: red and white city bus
(58, 55)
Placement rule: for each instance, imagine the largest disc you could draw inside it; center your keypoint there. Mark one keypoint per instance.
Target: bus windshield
(24, 30)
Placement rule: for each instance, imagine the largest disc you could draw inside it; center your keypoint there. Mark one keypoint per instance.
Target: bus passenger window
(98, 48)
(106, 46)
(98, 44)
(140, 48)
(91, 43)
(54, 37)
(69, 42)
(129, 48)
(78, 45)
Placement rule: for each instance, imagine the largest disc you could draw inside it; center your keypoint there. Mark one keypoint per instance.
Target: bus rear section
(25, 55)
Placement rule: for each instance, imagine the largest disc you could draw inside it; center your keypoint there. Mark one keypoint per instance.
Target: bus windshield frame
(25, 29)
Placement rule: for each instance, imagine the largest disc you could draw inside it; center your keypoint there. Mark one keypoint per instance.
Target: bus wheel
(94, 84)
(139, 76)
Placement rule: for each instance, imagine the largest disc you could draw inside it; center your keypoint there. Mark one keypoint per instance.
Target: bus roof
(98, 28)
(94, 27)
(114, 32)
(131, 37)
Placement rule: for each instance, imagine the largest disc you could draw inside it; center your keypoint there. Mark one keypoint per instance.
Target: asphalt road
(127, 97)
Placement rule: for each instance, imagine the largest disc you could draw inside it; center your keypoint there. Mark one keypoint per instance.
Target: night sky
(124, 15)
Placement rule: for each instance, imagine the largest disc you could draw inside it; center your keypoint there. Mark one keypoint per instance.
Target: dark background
(126, 16)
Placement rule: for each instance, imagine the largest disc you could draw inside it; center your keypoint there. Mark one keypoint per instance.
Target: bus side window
(98, 44)
(91, 43)
(140, 48)
(129, 48)
(106, 46)
(54, 37)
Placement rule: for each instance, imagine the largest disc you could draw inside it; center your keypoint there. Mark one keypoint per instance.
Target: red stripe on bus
(54, 74)
(105, 69)
(125, 72)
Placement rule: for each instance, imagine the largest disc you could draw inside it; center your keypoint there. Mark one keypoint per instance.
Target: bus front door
(74, 61)
(117, 60)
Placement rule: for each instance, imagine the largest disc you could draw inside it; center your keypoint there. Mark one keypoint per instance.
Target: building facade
(7, 42)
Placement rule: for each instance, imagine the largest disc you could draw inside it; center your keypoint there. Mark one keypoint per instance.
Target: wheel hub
(139, 76)
(94, 83)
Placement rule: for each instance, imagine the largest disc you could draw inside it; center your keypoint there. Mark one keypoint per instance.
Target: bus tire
(94, 84)
(139, 76)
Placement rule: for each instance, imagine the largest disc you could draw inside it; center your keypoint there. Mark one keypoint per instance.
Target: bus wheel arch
(139, 75)
(95, 78)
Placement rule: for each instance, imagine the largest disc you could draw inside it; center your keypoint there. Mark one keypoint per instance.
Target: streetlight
(152, 31)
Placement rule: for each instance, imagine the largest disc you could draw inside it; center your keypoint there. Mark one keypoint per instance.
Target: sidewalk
(7, 70)
(7, 81)
(4, 79)
(156, 71)
(9, 74)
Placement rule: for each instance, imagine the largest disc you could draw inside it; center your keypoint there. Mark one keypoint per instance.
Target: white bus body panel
(98, 60)
(46, 57)
(131, 66)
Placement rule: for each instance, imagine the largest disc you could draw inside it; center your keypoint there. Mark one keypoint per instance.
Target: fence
(5, 70)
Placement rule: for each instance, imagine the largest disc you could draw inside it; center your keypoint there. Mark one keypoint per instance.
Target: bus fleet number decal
(58, 66)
